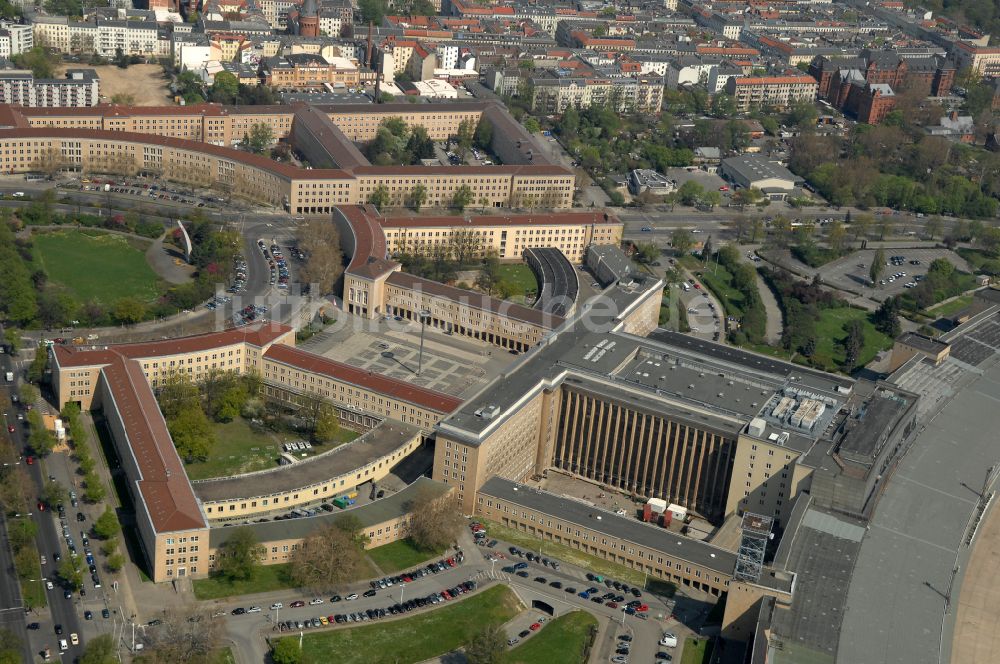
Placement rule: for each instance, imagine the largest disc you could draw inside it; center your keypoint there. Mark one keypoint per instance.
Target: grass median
(413, 639)
(579, 558)
(401, 555)
(562, 641)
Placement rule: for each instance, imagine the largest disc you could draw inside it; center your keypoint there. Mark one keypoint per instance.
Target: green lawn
(223, 656)
(561, 641)
(718, 280)
(576, 557)
(830, 333)
(696, 651)
(951, 308)
(520, 276)
(413, 639)
(400, 555)
(240, 448)
(32, 592)
(103, 267)
(268, 578)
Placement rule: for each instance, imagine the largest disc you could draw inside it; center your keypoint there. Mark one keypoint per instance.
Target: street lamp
(425, 315)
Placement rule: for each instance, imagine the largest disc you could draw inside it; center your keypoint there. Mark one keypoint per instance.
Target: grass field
(413, 639)
(696, 651)
(223, 656)
(579, 558)
(718, 280)
(241, 449)
(104, 267)
(520, 277)
(950, 308)
(268, 578)
(401, 555)
(830, 333)
(561, 641)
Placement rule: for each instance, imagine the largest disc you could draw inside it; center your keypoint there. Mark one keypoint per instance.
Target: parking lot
(851, 272)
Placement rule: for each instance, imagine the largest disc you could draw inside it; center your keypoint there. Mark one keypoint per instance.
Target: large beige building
(193, 145)
(174, 516)
(375, 286)
(755, 92)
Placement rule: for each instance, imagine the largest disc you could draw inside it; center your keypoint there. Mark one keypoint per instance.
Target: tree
(39, 365)
(129, 310)
(260, 138)
(877, 267)
(41, 440)
(706, 249)
(13, 338)
(320, 241)
(462, 197)
(647, 252)
(861, 226)
(531, 125)
(380, 197)
(116, 561)
(933, 226)
(724, 106)
(327, 558)
(192, 433)
(434, 522)
(54, 493)
(681, 241)
(187, 634)
(287, 651)
(484, 134)
(352, 525)
(488, 645)
(327, 425)
(690, 192)
(107, 525)
(853, 344)
(39, 60)
(94, 491)
(418, 196)
(225, 88)
(489, 274)
(372, 11)
(99, 650)
(240, 555)
(711, 199)
(886, 226)
(69, 572)
(835, 236)
(465, 135)
(886, 317)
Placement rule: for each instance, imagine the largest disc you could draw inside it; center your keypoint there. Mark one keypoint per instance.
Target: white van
(63, 646)
(669, 640)
(686, 287)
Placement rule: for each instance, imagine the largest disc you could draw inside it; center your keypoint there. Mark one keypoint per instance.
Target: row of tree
(333, 554)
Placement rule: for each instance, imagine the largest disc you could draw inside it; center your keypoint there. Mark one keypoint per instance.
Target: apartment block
(754, 92)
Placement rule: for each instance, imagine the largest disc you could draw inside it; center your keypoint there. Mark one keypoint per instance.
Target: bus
(34, 177)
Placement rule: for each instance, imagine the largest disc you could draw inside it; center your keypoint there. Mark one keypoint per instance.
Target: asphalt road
(62, 611)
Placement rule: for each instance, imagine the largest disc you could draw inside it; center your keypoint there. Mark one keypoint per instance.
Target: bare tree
(188, 634)
(466, 244)
(434, 521)
(49, 161)
(320, 241)
(328, 558)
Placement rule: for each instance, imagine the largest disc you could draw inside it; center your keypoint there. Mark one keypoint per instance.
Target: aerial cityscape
(499, 331)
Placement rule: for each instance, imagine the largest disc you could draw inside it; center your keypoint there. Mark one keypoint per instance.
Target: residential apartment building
(80, 88)
(15, 39)
(754, 92)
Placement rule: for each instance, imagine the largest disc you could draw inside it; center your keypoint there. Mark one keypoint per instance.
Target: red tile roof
(541, 219)
(430, 399)
(369, 240)
(163, 484)
(84, 356)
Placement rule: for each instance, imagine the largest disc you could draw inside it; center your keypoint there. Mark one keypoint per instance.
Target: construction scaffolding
(755, 533)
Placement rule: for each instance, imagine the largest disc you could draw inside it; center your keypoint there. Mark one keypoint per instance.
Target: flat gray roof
(612, 525)
(392, 506)
(922, 342)
(666, 371)
(753, 168)
(378, 442)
